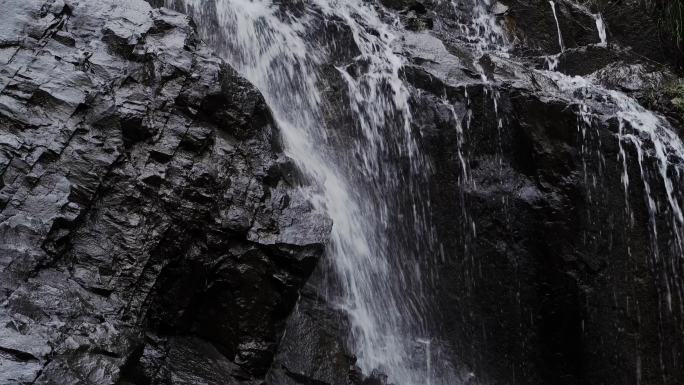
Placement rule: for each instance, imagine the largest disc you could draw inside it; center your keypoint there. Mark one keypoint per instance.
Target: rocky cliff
(150, 228)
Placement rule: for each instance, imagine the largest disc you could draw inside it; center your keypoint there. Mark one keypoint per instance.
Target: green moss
(675, 93)
(679, 103)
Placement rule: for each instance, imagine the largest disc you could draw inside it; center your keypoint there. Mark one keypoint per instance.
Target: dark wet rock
(632, 24)
(640, 25)
(544, 249)
(150, 226)
(313, 348)
(414, 14)
(533, 26)
(549, 267)
(667, 98)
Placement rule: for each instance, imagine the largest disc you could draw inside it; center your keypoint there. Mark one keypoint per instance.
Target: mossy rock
(676, 92)
(679, 103)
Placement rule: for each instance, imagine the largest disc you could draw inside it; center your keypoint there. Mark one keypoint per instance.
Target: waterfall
(369, 174)
(650, 135)
(380, 233)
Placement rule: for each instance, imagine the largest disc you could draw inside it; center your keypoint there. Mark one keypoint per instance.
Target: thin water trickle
(598, 19)
(659, 155)
(560, 35)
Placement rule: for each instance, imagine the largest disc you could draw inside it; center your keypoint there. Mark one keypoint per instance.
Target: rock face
(151, 231)
(557, 285)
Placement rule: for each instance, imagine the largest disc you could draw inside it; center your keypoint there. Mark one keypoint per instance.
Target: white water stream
(560, 35)
(379, 230)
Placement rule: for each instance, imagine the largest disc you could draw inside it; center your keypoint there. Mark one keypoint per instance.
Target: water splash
(552, 61)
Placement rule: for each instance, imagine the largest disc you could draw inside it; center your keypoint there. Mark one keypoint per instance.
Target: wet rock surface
(547, 280)
(549, 273)
(312, 349)
(151, 230)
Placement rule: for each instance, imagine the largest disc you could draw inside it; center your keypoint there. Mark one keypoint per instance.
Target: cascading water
(651, 137)
(380, 228)
(601, 28)
(382, 234)
(484, 31)
(651, 129)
